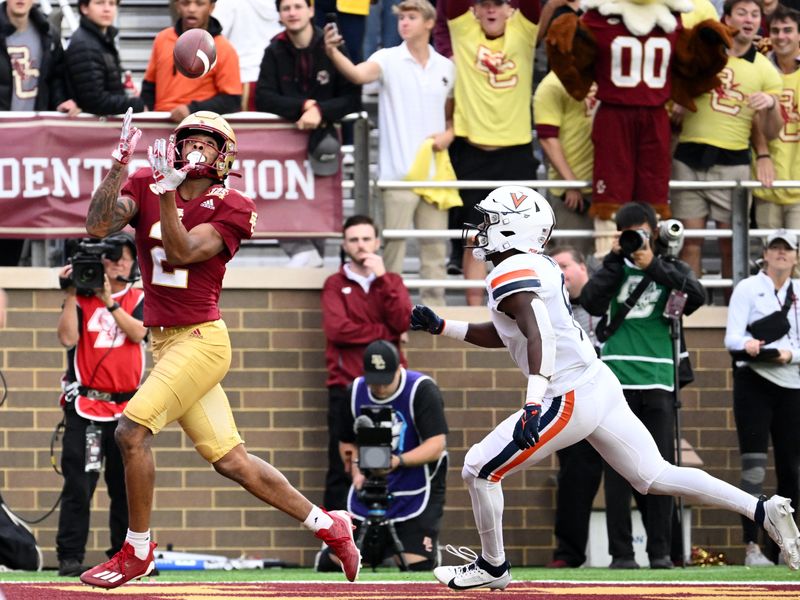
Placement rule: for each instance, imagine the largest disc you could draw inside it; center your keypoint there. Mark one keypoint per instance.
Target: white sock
(699, 487)
(140, 543)
(317, 519)
(487, 506)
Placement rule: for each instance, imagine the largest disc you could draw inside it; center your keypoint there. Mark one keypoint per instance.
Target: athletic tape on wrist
(455, 329)
(537, 386)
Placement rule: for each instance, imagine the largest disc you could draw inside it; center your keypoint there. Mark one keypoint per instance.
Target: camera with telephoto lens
(668, 241)
(88, 273)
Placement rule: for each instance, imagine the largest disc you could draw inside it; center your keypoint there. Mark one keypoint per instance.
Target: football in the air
(195, 53)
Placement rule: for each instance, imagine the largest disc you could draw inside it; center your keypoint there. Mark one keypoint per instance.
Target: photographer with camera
(763, 336)
(101, 327)
(394, 442)
(638, 280)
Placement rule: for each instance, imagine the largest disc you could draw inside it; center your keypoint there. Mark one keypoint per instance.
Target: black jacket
(289, 76)
(222, 104)
(94, 73)
(52, 90)
(665, 270)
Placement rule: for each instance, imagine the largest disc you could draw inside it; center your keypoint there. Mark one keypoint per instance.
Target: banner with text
(51, 165)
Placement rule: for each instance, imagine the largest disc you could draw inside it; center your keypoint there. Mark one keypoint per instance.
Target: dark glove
(526, 431)
(423, 318)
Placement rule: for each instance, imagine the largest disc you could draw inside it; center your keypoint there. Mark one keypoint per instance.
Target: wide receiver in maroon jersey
(188, 226)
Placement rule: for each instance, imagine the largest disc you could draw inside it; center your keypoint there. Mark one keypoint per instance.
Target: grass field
(690, 574)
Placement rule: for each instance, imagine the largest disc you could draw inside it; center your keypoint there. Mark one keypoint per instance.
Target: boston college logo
(378, 362)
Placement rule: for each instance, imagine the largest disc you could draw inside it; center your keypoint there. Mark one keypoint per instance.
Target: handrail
(472, 184)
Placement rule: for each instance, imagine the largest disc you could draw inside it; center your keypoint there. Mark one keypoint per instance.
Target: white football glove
(162, 159)
(128, 138)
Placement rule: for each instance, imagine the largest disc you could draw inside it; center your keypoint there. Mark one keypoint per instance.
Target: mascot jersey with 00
(540, 274)
(631, 70)
(180, 295)
(640, 56)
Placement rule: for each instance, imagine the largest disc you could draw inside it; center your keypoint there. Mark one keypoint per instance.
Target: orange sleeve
(152, 65)
(227, 77)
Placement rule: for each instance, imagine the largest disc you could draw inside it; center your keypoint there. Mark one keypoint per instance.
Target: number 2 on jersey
(178, 278)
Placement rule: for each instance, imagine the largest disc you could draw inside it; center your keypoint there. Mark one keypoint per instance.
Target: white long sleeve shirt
(752, 299)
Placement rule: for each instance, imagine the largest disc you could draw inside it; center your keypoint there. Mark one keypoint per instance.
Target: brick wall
(276, 388)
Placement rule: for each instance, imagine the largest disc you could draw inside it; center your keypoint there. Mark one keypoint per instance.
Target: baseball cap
(323, 152)
(786, 236)
(381, 361)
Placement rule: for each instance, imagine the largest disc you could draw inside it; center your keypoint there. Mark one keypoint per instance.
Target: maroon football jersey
(177, 295)
(629, 69)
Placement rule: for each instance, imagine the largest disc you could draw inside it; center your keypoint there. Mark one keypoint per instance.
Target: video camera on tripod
(373, 428)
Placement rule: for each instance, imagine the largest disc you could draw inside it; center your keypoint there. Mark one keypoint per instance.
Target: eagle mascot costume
(641, 57)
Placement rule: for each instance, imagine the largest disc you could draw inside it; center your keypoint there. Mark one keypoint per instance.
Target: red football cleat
(120, 568)
(339, 538)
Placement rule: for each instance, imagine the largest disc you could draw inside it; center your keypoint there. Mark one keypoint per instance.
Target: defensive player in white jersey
(571, 394)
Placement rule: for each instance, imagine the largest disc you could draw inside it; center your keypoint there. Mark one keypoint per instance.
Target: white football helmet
(514, 217)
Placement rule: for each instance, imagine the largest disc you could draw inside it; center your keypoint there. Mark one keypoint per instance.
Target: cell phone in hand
(330, 19)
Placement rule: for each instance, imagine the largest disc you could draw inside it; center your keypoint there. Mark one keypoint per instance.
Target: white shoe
(753, 557)
(470, 575)
(306, 258)
(780, 525)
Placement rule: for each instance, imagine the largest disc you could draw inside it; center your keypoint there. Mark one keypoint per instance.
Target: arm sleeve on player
(548, 337)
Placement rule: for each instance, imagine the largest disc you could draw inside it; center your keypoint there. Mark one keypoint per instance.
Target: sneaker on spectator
(121, 568)
(306, 258)
(753, 557)
(780, 525)
(623, 563)
(454, 268)
(339, 538)
(70, 567)
(558, 563)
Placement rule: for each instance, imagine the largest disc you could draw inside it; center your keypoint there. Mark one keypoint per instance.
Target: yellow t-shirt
(785, 149)
(723, 118)
(494, 80)
(353, 7)
(703, 9)
(552, 105)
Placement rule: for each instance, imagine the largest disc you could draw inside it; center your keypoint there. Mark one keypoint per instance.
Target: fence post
(739, 231)
(361, 165)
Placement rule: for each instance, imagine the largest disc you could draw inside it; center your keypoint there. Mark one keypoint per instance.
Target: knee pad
(473, 462)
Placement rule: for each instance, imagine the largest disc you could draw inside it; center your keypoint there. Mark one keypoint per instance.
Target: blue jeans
(352, 27)
(381, 27)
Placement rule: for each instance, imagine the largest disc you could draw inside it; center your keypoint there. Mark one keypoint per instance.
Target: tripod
(674, 312)
(377, 530)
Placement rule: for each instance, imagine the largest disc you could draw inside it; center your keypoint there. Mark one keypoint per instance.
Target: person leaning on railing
(92, 62)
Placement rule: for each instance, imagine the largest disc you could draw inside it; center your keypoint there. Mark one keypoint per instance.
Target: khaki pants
(401, 209)
(774, 216)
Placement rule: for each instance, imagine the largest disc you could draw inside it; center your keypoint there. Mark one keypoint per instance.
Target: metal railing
(739, 232)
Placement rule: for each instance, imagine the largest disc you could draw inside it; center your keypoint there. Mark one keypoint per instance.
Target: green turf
(716, 574)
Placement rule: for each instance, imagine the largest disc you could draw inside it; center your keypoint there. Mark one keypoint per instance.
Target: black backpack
(18, 549)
